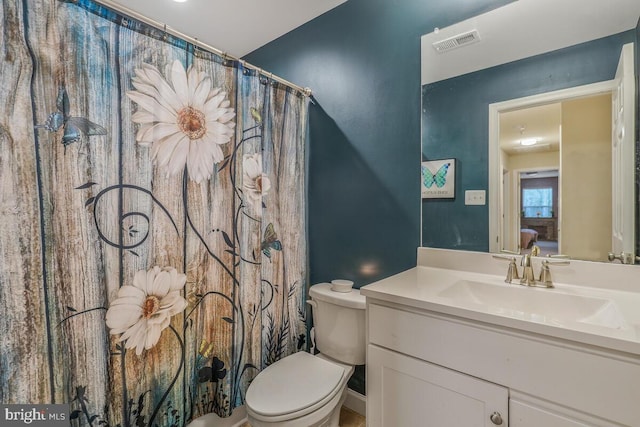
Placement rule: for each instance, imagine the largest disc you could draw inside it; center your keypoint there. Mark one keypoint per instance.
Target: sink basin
(534, 304)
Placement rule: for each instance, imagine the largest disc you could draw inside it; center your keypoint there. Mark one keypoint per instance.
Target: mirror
(555, 166)
(462, 93)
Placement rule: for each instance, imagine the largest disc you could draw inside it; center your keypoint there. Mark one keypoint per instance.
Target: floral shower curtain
(153, 237)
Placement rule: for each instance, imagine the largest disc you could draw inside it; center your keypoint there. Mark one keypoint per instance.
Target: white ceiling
(236, 27)
(541, 122)
(525, 28)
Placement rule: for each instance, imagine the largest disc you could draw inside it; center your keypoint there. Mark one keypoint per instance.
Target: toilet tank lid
(323, 292)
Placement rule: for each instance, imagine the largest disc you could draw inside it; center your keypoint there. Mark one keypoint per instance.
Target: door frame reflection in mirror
(495, 169)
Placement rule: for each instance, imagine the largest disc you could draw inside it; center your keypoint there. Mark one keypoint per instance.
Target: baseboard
(356, 402)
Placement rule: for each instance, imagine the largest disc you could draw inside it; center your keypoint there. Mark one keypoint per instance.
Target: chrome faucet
(528, 277)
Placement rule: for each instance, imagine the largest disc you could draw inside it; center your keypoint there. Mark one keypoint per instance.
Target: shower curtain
(153, 238)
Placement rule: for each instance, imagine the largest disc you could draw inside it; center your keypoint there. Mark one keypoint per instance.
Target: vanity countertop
(606, 316)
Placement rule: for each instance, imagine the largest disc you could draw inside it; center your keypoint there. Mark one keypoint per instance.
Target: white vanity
(450, 344)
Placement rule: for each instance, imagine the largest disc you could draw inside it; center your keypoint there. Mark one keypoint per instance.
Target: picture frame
(438, 179)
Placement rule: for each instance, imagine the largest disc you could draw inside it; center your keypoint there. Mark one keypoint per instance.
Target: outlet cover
(475, 197)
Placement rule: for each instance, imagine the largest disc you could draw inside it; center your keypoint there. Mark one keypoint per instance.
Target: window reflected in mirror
(537, 202)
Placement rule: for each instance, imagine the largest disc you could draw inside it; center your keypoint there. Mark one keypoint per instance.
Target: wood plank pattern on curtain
(123, 148)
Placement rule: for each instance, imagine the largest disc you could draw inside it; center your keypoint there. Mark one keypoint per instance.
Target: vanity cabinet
(426, 368)
(410, 391)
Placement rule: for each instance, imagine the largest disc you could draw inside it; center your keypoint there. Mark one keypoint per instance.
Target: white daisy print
(255, 182)
(143, 310)
(185, 120)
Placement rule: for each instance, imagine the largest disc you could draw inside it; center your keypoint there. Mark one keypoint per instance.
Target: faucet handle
(545, 272)
(624, 257)
(512, 271)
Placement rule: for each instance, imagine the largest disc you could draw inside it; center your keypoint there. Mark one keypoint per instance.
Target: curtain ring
(264, 79)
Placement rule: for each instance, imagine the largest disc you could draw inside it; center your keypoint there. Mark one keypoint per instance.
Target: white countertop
(537, 310)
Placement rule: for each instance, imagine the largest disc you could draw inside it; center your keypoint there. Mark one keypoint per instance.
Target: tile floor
(348, 418)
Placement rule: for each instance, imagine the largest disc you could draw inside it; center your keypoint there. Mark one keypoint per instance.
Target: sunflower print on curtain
(153, 239)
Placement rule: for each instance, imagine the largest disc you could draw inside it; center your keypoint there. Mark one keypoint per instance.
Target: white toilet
(302, 390)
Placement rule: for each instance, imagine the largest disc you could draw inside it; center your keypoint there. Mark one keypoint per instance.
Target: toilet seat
(282, 391)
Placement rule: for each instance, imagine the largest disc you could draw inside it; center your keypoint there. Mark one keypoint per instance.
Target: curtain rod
(117, 7)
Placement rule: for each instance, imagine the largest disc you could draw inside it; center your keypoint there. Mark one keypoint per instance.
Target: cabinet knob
(496, 418)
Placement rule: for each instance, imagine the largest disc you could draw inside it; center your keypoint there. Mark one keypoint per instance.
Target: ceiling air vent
(457, 41)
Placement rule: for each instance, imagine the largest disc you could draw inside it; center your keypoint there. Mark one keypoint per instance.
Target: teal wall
(362, 60)
(455, 124)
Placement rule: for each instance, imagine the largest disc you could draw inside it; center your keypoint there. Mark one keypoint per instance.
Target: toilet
(304, 390)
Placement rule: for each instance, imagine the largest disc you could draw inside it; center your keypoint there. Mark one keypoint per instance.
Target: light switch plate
(475, 197)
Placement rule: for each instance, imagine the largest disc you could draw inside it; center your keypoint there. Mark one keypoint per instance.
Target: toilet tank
(339, 323)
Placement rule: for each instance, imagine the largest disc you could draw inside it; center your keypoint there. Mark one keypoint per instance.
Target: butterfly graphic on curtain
(270, 241)
(256, 115)
(439, 178)
(216, 370)
(74, 127)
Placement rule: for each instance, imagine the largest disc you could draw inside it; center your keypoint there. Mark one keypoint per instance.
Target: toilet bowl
(304, 390)
(300, 390)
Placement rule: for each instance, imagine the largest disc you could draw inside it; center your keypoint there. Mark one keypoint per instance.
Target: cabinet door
(527, 411)
(407, 392)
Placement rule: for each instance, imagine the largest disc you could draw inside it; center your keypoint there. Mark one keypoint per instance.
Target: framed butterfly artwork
(438, 179)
